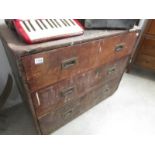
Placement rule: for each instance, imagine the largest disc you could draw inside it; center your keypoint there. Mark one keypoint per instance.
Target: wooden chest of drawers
(62, 79)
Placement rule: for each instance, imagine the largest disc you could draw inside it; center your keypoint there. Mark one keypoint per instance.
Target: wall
(14, 97)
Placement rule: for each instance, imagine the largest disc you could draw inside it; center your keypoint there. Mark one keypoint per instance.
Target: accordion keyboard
(43, 29)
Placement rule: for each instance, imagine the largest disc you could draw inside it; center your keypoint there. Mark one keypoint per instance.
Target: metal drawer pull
(69, 63)
(67, 91)
(119, 47)
(111, 70)
(107, 89)
(98, 70)
(68, 113)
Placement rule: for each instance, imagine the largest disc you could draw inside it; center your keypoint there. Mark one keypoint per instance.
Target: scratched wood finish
(76, 86)
(66, 62)
(62, 115)
(146, 61)
(76, 73)
(20, 48)
(150, 29)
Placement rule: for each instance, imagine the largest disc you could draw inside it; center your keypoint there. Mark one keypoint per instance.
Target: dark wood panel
(69, 111)
(145, 54)
(146, 61)
(148, 43)
(151, 28)
(67, 62)
(147, 47)
(74, 87)
(148, 52)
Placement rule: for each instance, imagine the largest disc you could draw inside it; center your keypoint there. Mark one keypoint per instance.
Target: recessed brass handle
(69, 63)
(67, 91)
(98, 71)
(146, 61)
(107, 89)
(111, 70)
(68, 113)
(119, 47)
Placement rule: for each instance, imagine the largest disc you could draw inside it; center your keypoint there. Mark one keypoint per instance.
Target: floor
(131, 110)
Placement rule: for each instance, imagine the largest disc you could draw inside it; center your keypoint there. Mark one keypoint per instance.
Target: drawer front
(69, 89)
(69, 111)
(150, 29)
(145, 61)
(59, 64)
(147, 47)
(116, 47)
(46, 68)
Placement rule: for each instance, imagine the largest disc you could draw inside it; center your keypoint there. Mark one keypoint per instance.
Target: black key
(63, 22)
(43, 24)
(53, 23)
(66, 22)
(71, 21)
(57, 22)
(26, 26)
(39, 25)
(49, 23)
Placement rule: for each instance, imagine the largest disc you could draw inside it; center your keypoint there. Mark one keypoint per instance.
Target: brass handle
(147, 61)
(98, 71)
(69, 63)
(111, 70)
(67, 91)
(68, 113)
(107, 89)
(119, 47)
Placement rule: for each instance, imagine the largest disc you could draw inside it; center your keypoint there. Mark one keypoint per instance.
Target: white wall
(14, 97)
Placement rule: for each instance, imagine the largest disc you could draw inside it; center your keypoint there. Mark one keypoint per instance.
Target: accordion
(40, 30)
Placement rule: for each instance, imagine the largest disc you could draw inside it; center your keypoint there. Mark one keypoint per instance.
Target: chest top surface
(19, 48)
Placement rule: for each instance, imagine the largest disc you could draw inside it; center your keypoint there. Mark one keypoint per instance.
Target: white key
(35, 25)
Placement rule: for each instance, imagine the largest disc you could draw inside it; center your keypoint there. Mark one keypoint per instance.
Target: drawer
(46, 68)
(57, 118)
(150, 29)
(145, 61)
(147, 47)
(69, 89)
(114, 48)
